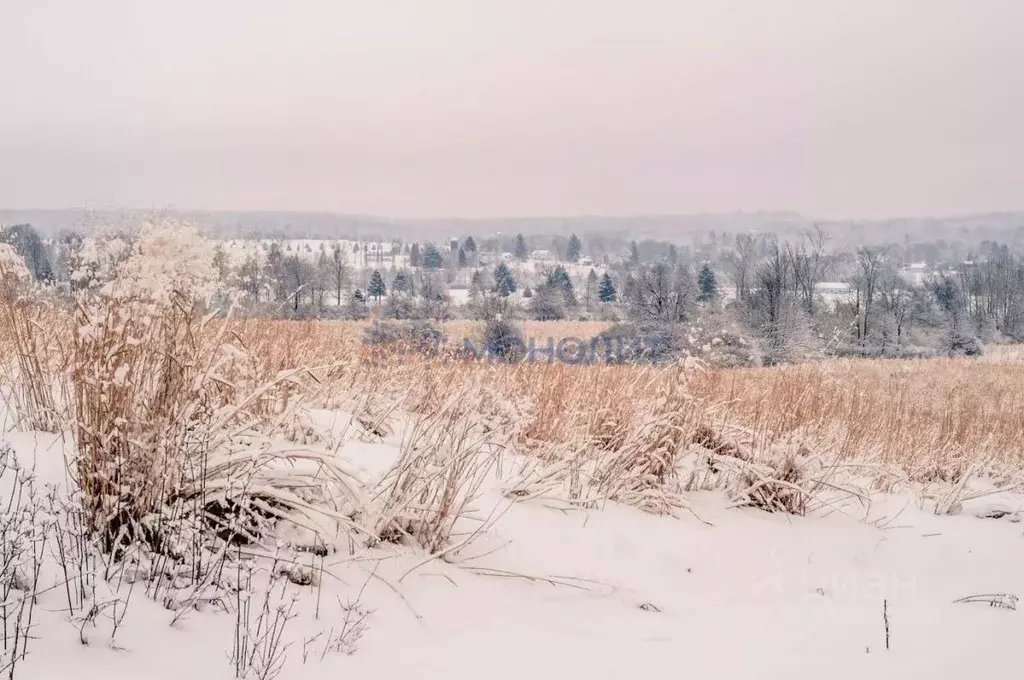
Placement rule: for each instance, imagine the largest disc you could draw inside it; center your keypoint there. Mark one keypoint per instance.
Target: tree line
(869, 305)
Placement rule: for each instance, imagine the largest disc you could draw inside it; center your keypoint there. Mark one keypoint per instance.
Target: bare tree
(431, 287)
(769, 300)
(221, 262)
(339, 272)
(299, 276)
(870, 265)
(275, 273)
(897, 300)
(323, 276)
(660, 292)
(249, 278)
(808, 264)
(741, 261)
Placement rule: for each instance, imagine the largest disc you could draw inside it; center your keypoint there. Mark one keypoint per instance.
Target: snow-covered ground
(545, 592)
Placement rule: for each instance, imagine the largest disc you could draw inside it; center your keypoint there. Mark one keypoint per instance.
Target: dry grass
(166, 406)
(627, 433)
(446, 456)
(890, 422)
(932, 419)
(912, 420)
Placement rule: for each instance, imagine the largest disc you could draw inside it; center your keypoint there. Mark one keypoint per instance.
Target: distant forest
(957, 232)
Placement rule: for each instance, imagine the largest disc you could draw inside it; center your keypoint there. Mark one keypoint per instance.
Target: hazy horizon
(833, 109)
(498, 217)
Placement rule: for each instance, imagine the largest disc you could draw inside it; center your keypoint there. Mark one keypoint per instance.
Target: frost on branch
(167, 256)
(163, 256)
(12, 265)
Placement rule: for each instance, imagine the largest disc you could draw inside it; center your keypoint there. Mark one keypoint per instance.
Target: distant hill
(1007, 226)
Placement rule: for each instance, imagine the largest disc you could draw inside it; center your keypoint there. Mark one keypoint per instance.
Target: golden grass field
(921, 418)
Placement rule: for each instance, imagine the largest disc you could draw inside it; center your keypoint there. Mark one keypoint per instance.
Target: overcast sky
(835, 108)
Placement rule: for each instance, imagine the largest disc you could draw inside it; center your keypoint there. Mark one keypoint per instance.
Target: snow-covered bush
(163, 257)
(503, 341)
(962, 345)
(395, 337)
(12, 266)
(175, 421)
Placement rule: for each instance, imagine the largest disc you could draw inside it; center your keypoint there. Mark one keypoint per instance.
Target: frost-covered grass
(922, 419)
(222, 497)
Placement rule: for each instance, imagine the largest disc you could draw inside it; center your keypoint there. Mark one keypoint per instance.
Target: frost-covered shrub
(97, 259)
(962, 345)
(12, 266)
(381, 333)
(904, 351)
(426, 336)
(438, 309)
(168, 256)
(162, 257)
(719, 342)
(399, 307)
(416, 336)
(503, 340)
(714, 341)
(355, 309)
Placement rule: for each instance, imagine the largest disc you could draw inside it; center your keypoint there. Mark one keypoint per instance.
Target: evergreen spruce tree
(504, 281)
(377, 289)
(400, 284)
(520, 248)
(707, 284)
(559, 280)
(432, 257)
(606, 292)
(592, 284)
(572, 251)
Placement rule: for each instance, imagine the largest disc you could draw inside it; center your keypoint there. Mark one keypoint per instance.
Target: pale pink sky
(836, 108)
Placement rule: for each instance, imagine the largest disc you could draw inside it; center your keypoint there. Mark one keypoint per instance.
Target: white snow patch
(611, 593)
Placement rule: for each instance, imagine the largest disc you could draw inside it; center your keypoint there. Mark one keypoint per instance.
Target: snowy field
(543, 591)
(192, 497)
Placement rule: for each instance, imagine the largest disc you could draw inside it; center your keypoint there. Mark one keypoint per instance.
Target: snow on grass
(604, 593)
(448, 519)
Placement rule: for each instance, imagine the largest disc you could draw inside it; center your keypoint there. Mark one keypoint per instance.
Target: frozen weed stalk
(25, 527)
